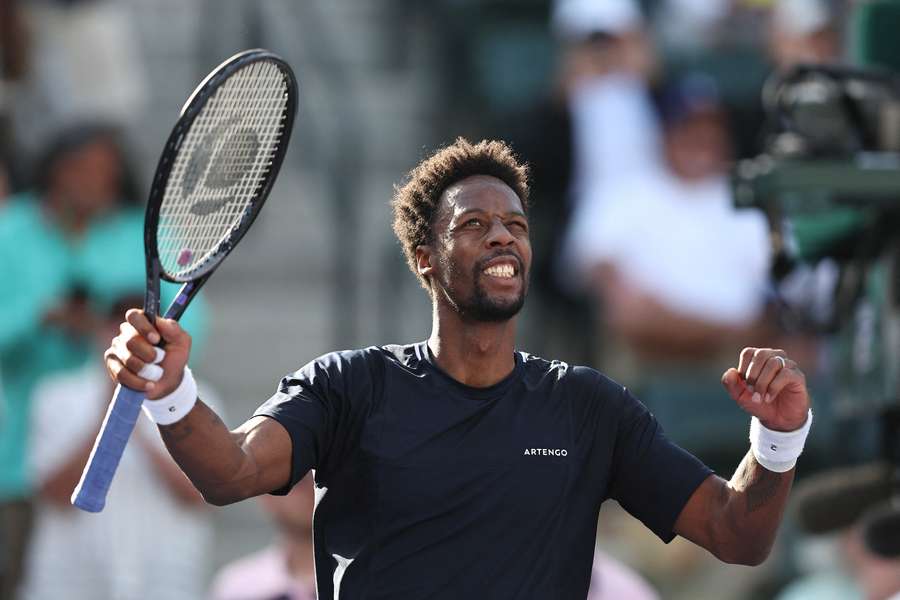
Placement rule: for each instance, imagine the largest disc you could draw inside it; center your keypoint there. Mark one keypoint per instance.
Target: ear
(424, 256)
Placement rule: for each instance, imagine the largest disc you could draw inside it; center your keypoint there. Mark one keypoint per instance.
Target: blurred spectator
(284, 570)
(12, 41)
(875, 550)
(825, 571)
(856, 572)
(83, 63)
(6, 183)
(612, 580)
(153, 538)
(803, 31)
(12, 60)
(596, 122)
(681, 274)
(604, 70)
(848, 519)
(690, 25)
(67, 248)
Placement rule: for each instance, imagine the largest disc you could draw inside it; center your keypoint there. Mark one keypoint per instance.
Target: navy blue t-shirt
(428, 488)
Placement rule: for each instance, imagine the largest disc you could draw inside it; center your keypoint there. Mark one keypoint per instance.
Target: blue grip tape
(90, 493)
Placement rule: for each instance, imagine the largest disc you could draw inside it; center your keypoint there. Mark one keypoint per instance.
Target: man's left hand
(768, 385)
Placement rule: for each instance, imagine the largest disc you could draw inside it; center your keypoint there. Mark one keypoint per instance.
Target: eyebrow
(512, 213)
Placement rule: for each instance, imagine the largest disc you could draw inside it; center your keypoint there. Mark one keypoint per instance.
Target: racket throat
(151, 296)
(184, 297)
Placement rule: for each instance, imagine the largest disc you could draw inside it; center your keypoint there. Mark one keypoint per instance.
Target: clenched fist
(769, 385)
(131, 356)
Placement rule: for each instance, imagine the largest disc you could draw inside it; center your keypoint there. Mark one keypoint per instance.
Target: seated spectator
(595, 121)
(71, 245)
(154, 536)
(284, 570)
(84, 61)
(605, 65)
(681, 274)
(803, 32)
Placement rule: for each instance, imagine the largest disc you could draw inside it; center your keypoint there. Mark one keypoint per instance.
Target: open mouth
(503, 268)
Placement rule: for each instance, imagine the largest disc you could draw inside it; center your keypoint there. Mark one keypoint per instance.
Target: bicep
(269, 449)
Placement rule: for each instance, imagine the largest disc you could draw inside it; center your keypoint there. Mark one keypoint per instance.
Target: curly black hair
(74, 138)
(415, 202)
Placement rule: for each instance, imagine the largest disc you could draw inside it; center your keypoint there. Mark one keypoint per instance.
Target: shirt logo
(546, 452)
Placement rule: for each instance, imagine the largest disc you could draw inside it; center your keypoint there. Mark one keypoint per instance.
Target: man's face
(89, 178)
(697, 147)
(481, 256)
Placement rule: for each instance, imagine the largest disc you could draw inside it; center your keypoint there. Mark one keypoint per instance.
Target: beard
(479, 305)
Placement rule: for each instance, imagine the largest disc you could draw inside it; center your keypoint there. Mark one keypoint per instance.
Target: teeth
(504, 270)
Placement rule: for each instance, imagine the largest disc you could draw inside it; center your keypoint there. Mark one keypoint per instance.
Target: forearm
(656, 330)
(225, 466)
(218, 462)
(750, 510)
(171, 476)
(737, 520)
(660, 333)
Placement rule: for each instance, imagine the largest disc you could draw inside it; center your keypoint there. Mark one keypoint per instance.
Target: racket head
(218, 165)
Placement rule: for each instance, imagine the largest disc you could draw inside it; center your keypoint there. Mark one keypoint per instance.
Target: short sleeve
(651, 477)
(322, 406)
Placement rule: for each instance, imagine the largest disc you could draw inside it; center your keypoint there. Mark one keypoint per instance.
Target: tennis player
(459, 467)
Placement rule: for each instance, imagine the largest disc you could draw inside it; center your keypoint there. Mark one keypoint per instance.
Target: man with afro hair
(458, 466)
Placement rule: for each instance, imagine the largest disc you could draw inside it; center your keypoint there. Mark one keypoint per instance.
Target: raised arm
(737, 520)
(225, 466)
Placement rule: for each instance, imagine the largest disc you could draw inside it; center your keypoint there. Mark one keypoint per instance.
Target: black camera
(829, 183)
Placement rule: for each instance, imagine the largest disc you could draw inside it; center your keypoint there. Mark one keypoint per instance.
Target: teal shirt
(39, 266)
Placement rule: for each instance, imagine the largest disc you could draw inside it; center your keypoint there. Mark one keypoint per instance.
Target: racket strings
(235, 158)
(221, 166)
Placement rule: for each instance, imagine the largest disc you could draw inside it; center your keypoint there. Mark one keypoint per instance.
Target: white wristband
(176, 405)
(778, 450)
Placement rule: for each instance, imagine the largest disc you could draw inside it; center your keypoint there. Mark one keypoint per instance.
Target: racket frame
(123, 411)
(194, 280)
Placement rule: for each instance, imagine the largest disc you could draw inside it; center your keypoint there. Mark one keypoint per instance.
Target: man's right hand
(135, 347)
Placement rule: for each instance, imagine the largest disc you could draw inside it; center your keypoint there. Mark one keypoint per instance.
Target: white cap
(577, 19)
(801, 17)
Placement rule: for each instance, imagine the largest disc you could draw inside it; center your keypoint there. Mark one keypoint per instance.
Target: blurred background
(706, 174)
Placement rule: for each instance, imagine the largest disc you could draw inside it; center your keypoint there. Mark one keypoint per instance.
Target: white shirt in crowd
(682, 243)
(615, 132)
(144, 544)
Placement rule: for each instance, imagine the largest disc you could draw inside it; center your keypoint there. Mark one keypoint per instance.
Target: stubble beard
(481, 307)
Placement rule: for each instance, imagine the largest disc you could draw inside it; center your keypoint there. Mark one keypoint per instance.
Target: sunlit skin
(481, 226)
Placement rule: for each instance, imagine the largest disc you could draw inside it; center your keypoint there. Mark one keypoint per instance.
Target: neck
(477, 354)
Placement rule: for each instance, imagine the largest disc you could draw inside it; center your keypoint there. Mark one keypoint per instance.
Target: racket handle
(122, 414)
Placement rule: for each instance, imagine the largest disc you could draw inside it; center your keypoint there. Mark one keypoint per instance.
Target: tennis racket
(213, 176)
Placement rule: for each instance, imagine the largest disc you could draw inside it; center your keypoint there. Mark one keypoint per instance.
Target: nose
(499, 234)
